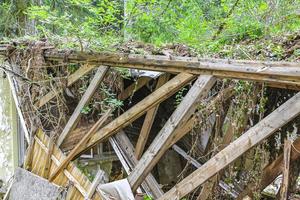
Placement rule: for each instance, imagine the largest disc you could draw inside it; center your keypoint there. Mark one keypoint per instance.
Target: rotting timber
(205, 77)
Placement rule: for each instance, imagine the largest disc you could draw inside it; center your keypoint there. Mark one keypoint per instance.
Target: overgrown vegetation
(205, 25)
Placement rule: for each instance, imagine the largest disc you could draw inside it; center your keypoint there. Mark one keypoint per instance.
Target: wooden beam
(70, 81)
(142, 81)
(71, 124)
(164, 138)
(128, 150)
(252, 137)
(78, 147)
(148, 121)
(262, 71)
(286, 170)
(140, 108)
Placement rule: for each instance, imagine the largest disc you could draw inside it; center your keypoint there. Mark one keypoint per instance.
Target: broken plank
(148, 121)
(98, 78)
(82, 142)
(164, 138)
(140, 108)
(70, 81)
(252, 137)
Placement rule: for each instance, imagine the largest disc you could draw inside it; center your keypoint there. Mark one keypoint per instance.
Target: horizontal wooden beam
(252, 137)
(127, 148)
(286, 73)
(276, 74)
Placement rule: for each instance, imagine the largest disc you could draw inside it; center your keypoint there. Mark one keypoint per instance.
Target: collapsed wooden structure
(139, 162)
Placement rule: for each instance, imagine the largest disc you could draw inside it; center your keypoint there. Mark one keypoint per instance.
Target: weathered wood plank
(252, 137)
(148, 121)
(78, 147)
(140, 108)
(273, 72)
(71, 80)
(286, 170)
(161, 143)
(98, 78)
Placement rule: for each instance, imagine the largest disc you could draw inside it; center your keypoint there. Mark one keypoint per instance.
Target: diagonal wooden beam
(71, 124)
(71, 80)
(164, 92)
(77, 148)
(148, 121)
(161, 143)
(127, 148)
(252, 137)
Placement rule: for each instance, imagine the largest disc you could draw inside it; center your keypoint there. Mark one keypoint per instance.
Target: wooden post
(99, 76)
(148, 121)
(140, 108)
(286, 169)
(252, 137)
(163, 140)
(78, 147)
